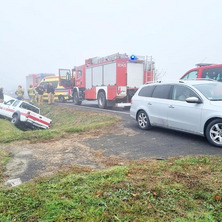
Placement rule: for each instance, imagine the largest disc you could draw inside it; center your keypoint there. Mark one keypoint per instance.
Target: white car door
(157, 106)
(183, 115)
(157, 111)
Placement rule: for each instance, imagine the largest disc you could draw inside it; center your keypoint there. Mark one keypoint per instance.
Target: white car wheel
(143, 120)
(15, 119)
(214, 132)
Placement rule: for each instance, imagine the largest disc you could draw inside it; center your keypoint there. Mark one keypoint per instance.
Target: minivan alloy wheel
(143, 120)
(214, 132)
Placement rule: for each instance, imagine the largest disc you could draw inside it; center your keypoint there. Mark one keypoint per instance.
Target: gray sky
(39, 36)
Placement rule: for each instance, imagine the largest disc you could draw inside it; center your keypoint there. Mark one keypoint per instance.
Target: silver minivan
(190, 106)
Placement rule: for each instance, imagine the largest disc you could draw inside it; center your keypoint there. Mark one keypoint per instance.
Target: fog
(42, 36)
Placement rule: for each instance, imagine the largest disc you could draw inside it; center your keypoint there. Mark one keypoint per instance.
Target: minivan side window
(191, 75)
(181, 93)
(162, 91)
(146, 91)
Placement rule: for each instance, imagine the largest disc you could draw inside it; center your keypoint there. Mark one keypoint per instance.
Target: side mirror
(193, 100)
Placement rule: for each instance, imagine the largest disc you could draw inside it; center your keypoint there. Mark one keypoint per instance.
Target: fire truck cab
(112, 80)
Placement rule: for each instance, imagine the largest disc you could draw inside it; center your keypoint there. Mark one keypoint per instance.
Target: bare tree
(157, 74)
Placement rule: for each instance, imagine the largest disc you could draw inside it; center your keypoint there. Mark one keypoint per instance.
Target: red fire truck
(112, 80)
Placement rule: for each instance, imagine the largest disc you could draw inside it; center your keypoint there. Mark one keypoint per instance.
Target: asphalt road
(155, 143)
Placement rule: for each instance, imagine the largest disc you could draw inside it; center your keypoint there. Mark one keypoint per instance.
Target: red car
(204, 71)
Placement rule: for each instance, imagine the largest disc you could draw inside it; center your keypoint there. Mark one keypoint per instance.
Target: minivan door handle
(149, 103)
(171, 106)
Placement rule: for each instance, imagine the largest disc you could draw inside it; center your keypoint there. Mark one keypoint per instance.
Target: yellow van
(61, 94)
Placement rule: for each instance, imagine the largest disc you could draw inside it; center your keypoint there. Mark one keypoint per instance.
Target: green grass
(149, 191)
(65, 120)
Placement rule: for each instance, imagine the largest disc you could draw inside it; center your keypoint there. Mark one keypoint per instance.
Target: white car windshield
(212, 91)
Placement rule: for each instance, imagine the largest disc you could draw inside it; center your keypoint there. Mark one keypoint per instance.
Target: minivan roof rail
(203, 79)
(206, 79)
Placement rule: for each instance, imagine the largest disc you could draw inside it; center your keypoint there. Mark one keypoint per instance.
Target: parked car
(24, 115)
(204, 71)
(189, 106)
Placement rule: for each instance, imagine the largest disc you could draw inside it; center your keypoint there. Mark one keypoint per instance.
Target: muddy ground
(29, 161)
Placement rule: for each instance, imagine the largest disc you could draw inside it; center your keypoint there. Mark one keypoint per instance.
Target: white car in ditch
(24, 115)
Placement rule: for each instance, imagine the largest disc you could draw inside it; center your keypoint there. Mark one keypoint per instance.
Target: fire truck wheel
(61, 99)
(76, 99)
(102, 103)
(15, 120)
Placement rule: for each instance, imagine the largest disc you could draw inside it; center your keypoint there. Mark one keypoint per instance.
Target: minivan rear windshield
(212, 91)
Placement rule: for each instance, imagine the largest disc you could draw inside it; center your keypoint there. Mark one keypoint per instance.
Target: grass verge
(4, 158)
(65, 120)
(184, 189)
